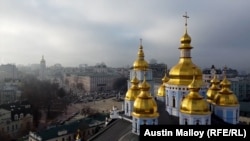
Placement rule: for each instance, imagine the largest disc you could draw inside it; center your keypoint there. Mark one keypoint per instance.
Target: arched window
(69, 138)
(16, 117)
(197, 122)
(153, 121)
(173, 101)
(185, 121)
(236, 116)
(126, 107)
(167, 100)
(206, 121)
(135, 125)
(21, 115)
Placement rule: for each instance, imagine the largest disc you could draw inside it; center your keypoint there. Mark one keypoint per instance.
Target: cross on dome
(186, 17)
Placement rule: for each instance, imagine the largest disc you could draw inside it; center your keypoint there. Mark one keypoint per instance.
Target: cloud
(92, 31)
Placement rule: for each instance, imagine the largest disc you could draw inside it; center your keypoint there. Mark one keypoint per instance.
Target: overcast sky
(73, 32)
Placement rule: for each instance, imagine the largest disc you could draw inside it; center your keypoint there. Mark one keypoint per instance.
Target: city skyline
(90, 32)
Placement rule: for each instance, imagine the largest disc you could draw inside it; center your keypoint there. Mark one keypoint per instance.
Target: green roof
(71, 128)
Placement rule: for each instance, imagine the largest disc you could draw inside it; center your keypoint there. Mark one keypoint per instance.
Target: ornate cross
(186, 17)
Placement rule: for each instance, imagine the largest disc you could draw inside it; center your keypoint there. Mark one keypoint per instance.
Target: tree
(120, 84)
(42, 95)
(61, 93)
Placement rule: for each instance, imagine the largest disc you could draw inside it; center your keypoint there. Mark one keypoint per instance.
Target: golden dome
(193, 103)
(134, 90)
(225, 96)
(165, 79)
(140, 63)
(185, 41)
(182, 73)
(213, 90)
(145, 105)
(161, 90)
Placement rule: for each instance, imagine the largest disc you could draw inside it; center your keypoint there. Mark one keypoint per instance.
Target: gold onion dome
(213, 89)
(161, 90)
(225, 96)
(185, 41)
(134, 90)
(193, 103)
(140, 63)
(145, 105)
(182, 72)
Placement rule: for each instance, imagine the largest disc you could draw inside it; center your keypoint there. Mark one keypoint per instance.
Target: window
(185, 121)
(153, 121)
(167, 100)
(126, 107)
(236, 116)
(144, 122)
(173, 101)
(197, 122)
(16, 117)
(21, 115)
(135, 125)
(69, 138)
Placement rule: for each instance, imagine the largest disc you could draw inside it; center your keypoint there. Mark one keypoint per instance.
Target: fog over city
(93, 31)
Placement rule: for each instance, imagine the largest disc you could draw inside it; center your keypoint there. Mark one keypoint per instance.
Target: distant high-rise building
(42, 71)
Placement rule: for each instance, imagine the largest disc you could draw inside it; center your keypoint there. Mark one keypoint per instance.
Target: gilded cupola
(213, 89)
(182, 72)
(145, 105)
(193, 103)
(225, 97)
(161, 90)
(134, 90)
(140, 63)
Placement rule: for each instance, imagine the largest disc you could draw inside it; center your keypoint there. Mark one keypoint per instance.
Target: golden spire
(193, 103)
(140, 63)
(161, 90)
(165, 78)
(225, 96)
(145, 105)
(78, 136)
(134, 90)
(213, 89)
(185, 39)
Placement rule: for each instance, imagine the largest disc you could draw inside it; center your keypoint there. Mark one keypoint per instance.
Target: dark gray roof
(72, 127)
(164, 117)
(114, 131)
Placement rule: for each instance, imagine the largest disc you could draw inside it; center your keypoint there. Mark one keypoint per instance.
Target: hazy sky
(73, 32)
